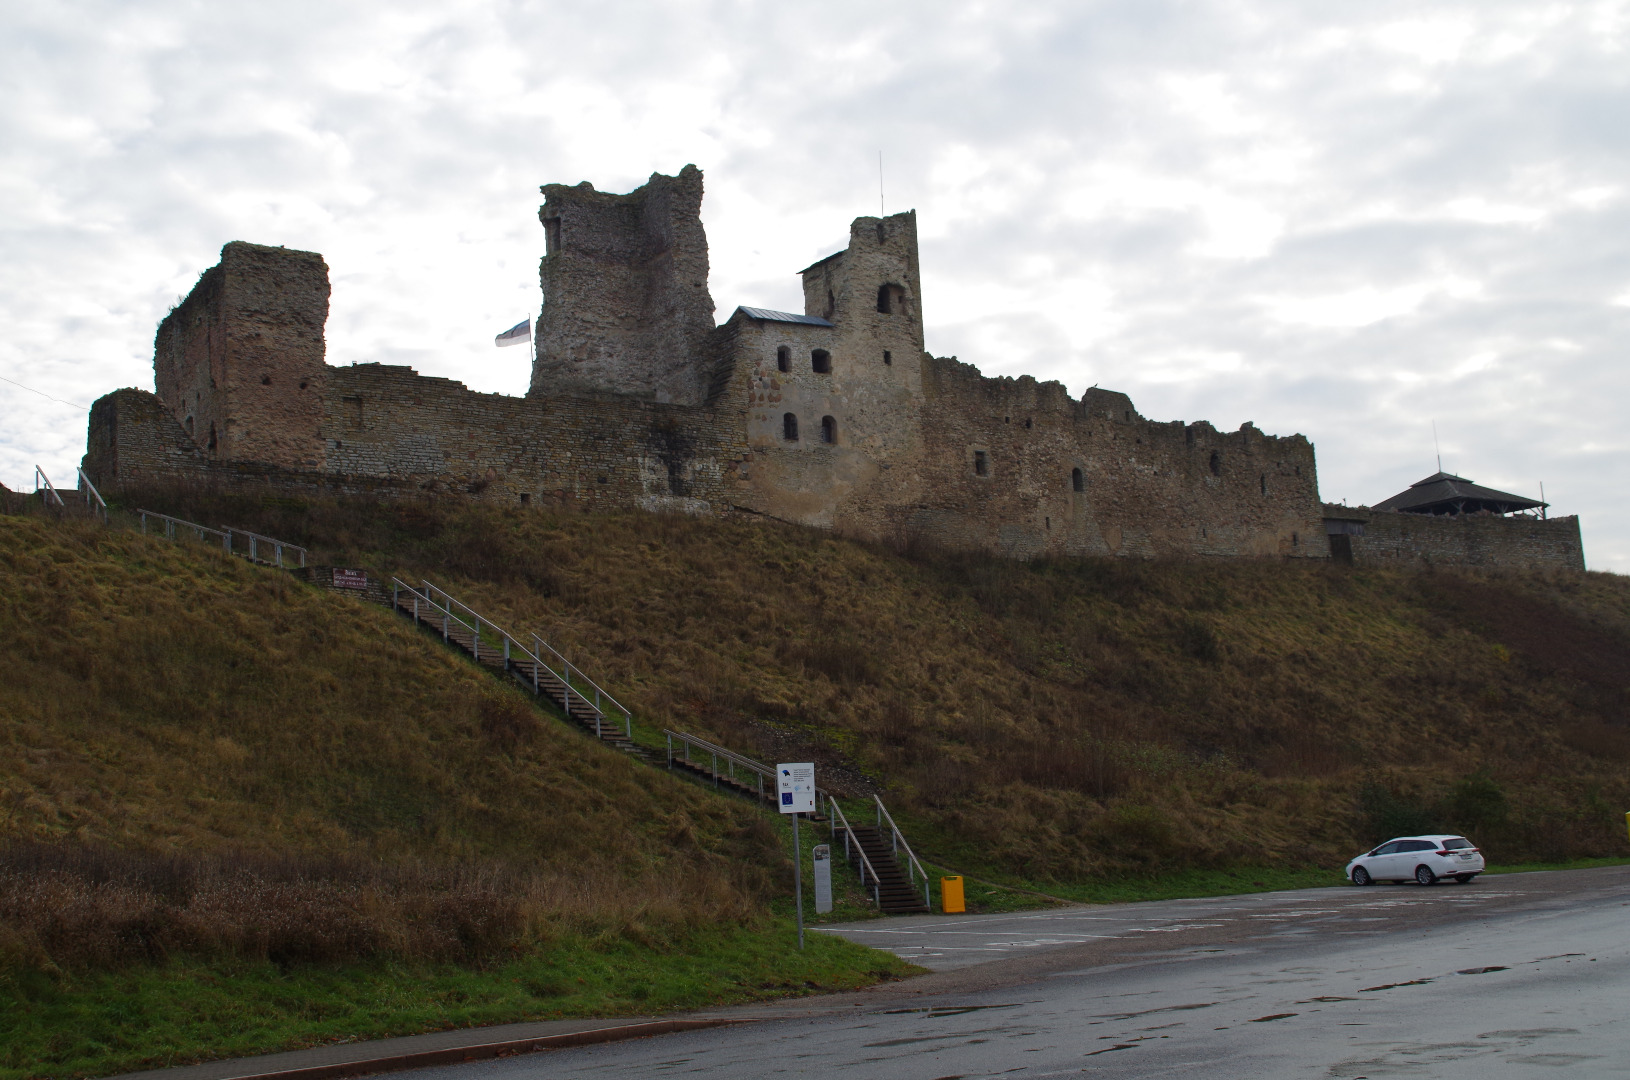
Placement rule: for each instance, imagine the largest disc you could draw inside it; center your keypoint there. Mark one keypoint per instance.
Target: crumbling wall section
(626, 307)
(1017, 467)
(240, 361)
(1416, 541)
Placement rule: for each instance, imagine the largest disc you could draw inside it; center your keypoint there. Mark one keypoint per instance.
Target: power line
(43, 394)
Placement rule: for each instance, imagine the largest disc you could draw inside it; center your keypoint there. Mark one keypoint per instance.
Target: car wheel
(1424, 875)
(1361, 876)
(1464, 879)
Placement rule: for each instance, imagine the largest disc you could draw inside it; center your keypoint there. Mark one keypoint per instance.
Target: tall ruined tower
(626, 308)
(240, 361)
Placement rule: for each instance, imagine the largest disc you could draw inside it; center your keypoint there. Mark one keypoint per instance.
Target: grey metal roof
(781, 316)
(1445, 493)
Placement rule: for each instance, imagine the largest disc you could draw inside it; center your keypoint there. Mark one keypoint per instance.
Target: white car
(1424, 858)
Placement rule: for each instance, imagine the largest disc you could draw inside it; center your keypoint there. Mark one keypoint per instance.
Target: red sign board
(350, 579)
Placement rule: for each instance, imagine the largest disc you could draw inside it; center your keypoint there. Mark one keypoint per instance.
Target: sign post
(795, 783)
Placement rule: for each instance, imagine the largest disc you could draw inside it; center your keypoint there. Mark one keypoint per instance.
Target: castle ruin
(836, 417)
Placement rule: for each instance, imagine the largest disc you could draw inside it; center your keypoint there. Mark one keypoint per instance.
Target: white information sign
(796, 784)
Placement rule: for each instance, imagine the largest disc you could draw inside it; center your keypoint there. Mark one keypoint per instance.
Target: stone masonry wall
(240, 361)
(1483, 540)
(626, 308)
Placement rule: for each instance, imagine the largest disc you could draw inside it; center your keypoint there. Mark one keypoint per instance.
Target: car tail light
(1443, 852)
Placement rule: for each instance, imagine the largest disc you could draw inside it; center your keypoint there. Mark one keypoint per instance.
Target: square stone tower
(240, 362)
(626, 307)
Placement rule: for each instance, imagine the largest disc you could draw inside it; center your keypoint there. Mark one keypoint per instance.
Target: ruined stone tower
(626, 308)
(240, 362)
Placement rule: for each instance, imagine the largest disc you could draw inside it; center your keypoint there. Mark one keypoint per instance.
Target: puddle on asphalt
(949, 1010)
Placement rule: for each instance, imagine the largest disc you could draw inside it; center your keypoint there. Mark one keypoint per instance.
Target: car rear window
(1456, 844)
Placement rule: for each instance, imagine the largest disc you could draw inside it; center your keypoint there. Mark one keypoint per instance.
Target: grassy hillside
(238, 813)
(1059, 722)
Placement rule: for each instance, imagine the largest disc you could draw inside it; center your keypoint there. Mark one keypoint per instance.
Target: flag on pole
(519, 334)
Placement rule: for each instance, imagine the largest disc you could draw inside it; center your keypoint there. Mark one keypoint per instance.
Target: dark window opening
(1295, 541)
(882, 234)
(829, 430)
(783, 359)
(888, 357)
(189, 426)
(1007, 419)
(1129, 414)
(1027, 423)
(1298, 470)
(1078, 480)
(265, 380)
(1216, 463)
(1049, 522)
(1188, 436)
(1263, 480)
(212, 435)
(981, 464)
(526, 497)
(302, 384)
(821, 361)
(831, 303)
(789, 427)
(551, 235)
(891, 299)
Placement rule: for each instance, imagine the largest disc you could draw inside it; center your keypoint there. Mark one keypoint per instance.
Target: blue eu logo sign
(786, 798)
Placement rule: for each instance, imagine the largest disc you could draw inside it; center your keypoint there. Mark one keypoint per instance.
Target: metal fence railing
(463, 624)
(899, 840)
(852, 849)
(227, 536)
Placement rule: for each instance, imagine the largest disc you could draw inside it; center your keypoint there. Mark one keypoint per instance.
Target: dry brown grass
(1071, 718)
(72, 907)
(276, 761)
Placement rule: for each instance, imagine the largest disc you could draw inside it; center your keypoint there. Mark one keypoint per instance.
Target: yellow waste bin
(951, 895)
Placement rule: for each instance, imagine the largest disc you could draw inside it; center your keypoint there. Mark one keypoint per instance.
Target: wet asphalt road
(1512, 976)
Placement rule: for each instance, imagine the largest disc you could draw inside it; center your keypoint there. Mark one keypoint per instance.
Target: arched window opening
(189, 426)
(981, 463)
(829, 430)
(212, 436)
(1078, 480)
(891, 299)
(783, 359)
(1216, 463)
(821, 361)
(789, 427)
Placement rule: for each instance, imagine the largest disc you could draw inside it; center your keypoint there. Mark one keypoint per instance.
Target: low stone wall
(1480, 540)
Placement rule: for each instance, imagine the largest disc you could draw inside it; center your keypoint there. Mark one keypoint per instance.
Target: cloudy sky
(1344, 223)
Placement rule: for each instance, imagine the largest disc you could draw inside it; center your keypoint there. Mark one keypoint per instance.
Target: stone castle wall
(1482, 540)
(626, 304)
(838, 418)
(240, 362)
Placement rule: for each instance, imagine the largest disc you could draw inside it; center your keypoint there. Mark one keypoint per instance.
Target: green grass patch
(184, 1011)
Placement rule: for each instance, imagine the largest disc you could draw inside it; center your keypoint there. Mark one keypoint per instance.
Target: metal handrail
(838, 817)
(278, 545)
(731, 758)
(171, 522)
(510, 642)
(900, 842)
(39, 475)
(91, 492)
(600, 695)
